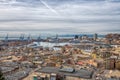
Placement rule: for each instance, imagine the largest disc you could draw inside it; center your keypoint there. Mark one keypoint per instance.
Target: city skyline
(60, 16)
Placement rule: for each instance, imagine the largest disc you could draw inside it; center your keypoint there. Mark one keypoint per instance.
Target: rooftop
(82, 73)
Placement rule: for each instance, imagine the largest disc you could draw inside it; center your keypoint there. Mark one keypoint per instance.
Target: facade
(117, 64)
(113, 63)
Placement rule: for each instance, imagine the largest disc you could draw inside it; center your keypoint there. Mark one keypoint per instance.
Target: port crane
(6, 38)
(21, 37)
(29, 38)
(39, 39)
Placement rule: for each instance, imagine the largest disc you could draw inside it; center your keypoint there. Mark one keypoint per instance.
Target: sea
(15, 35)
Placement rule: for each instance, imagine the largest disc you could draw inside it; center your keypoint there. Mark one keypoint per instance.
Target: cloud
(72, 16)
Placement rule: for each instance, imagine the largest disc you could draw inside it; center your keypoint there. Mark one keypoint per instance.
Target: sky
(60, 16)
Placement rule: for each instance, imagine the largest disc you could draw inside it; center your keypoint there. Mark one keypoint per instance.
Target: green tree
(1, 76)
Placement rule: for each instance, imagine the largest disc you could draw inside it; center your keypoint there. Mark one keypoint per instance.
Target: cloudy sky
(60, 16)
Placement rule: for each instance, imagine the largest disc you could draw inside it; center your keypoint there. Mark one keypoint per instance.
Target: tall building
(95, 36)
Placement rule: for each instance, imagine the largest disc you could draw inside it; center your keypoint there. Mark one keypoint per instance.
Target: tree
(1, 75)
